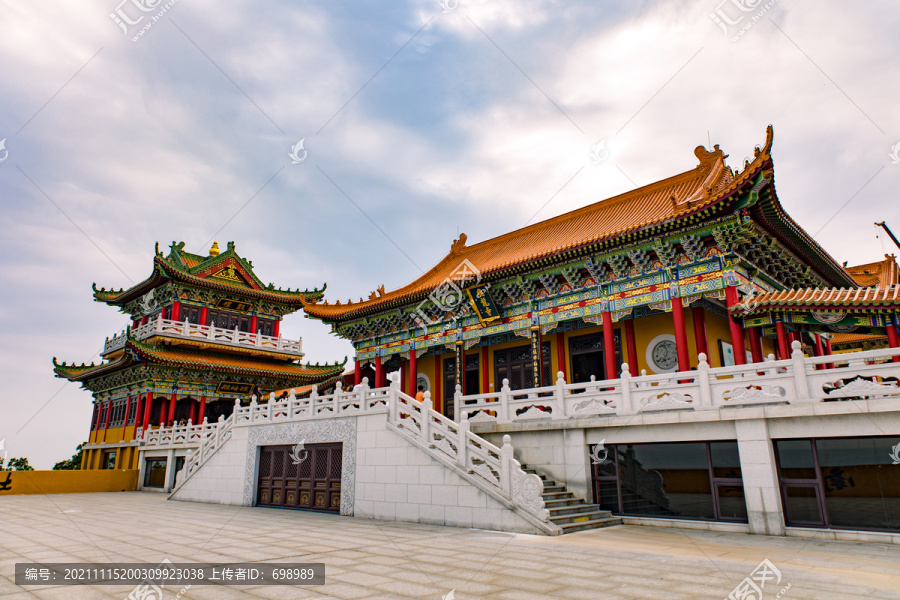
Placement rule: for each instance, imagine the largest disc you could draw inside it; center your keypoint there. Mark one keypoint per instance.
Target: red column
(138, 414)
(609, 346)
(893, 342)
(818, 349)
(148, 405)
(699, 318)
(193, 414)
(378, 373)
(144, 320)
(681, 343)
(125, 422)
(403, 380)
(560, 354)
(254, 324)
(485, 370)
(357, 373)
(828, 353)
(176, 310)
(108, 413)
(737, 332)
(783, 351)
(632, 348)
(276, 329)
(413, 373)
(203, 314)
(202, 409)
(754, 334)
(171, 408)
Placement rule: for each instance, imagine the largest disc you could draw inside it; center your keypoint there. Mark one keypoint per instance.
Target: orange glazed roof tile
(850, 338)
(867, 297)
(651, 204)
(879, 274)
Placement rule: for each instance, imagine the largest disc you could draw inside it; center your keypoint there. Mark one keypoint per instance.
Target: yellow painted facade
(69, 482)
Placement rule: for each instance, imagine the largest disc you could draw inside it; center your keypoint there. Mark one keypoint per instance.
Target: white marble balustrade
(197, 332)
(871, 374)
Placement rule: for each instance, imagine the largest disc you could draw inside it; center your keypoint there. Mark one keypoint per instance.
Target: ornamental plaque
(233, 387)
(233, 305)
(483, 304)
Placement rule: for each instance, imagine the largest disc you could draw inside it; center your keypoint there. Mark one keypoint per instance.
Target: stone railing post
(503, 409)
(462, 454)
(426, 419)
(506, 458)
(560, 395)
(705, 400)
(219, 426)
(253, 406)
(799, 367)
(625, 383)
(393, 405)
(364, 394)
(457, 402)
(270, 406)
(313, 398)
(338, 388)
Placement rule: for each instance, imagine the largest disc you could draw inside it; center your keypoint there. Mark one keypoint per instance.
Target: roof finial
(214, 251)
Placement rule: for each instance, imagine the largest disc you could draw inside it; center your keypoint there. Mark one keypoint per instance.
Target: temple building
(683, 352)
(204, 332)
(646, 278)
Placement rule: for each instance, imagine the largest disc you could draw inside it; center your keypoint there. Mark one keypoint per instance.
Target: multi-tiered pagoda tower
(204, 332)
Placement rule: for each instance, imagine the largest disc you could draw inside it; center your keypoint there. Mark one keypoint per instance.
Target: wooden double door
(306, 479)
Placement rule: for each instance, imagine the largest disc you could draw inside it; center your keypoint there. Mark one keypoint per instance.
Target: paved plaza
(370, 559)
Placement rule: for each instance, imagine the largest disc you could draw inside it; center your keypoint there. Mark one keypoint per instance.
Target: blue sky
(418, 123)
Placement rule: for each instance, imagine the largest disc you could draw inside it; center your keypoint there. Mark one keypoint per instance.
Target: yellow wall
(113, 435)
(68, 482)
(126, 457)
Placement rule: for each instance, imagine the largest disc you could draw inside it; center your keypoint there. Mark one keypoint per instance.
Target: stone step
(551, 489)
(594, 515)
(574, 509)
(558, 496)
(591, 524)
(564, 502)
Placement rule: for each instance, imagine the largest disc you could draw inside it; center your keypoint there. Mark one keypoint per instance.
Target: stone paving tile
(369, 560)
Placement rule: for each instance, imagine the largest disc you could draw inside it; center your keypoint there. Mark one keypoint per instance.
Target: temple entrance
(587, 356)
(216, 408)
(515, 364)
(308, 478)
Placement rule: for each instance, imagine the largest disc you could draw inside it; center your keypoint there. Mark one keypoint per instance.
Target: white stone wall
(397, 481)
(221, 479)
(561, 453)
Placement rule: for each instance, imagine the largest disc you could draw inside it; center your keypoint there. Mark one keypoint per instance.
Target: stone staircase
(568, 512)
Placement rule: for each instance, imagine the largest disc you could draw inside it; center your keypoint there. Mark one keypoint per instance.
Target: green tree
(71, 464)
(19, 464)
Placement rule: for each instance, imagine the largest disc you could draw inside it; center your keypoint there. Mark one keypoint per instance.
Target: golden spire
(214, 251)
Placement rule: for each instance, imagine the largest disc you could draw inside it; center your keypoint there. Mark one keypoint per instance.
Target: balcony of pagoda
(205, 336)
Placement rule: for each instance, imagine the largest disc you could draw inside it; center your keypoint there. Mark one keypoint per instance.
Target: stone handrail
(194, 331)
(221, 433)
(362, 399)
(188, 434)
(799, 379)
(495, 469)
